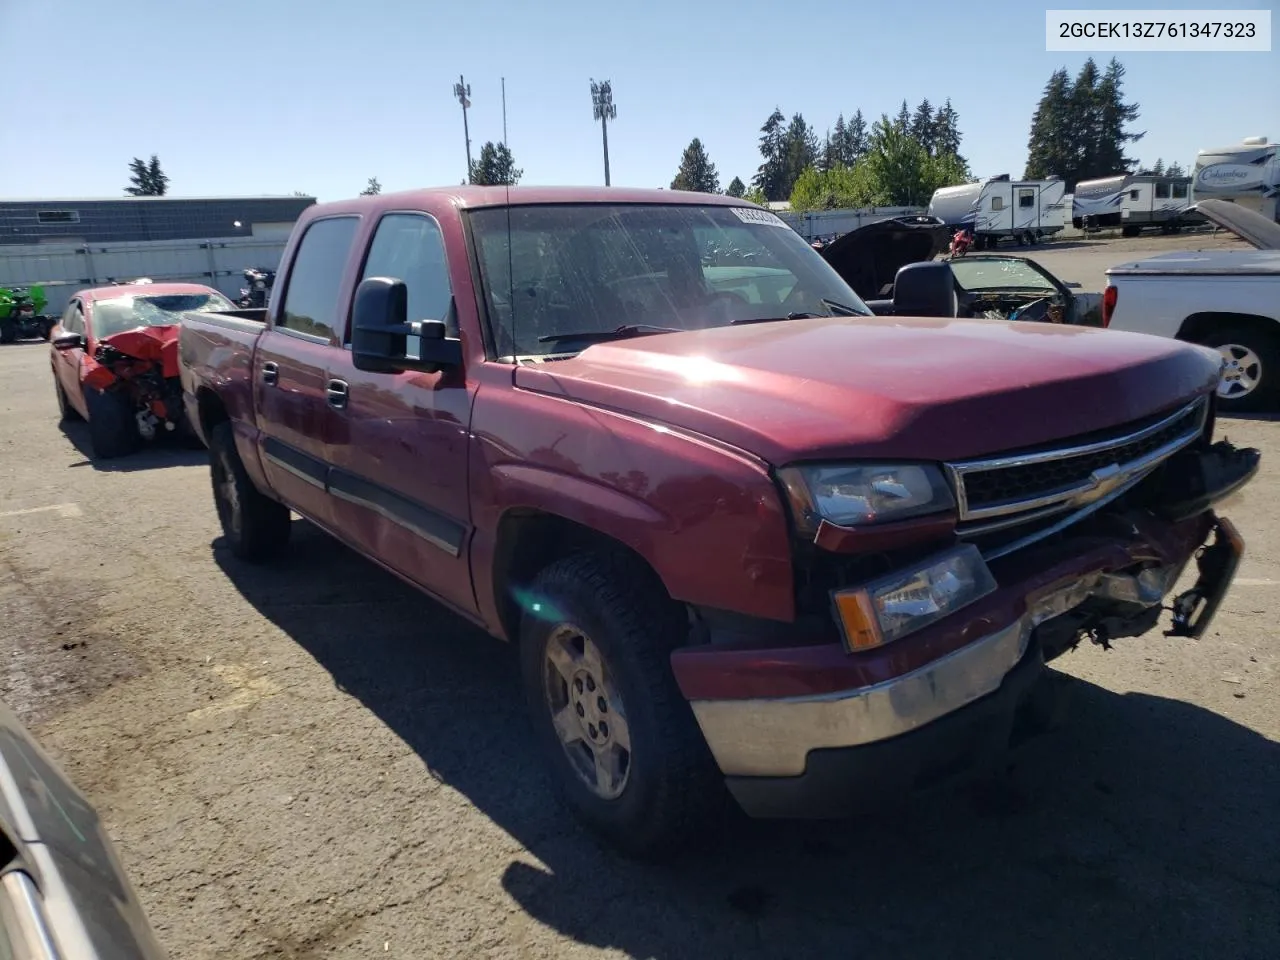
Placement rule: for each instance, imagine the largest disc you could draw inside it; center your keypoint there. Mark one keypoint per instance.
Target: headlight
(905, 601)
(855, 494)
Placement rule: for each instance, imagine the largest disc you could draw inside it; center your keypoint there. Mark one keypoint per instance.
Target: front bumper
(933, 705)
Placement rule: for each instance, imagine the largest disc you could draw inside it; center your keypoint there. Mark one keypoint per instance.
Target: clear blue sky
(272, 96)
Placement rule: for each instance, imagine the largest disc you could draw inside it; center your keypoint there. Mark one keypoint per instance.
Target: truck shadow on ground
(161, 452)
(1145, 828)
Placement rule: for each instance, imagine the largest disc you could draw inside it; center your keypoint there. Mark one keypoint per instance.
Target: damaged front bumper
(819, 731)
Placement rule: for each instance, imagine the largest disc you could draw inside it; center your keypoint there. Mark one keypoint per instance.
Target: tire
(256, 527)
(670, 788)
(1257, 352)
(8, 331)
(113, 431)
(65, 410)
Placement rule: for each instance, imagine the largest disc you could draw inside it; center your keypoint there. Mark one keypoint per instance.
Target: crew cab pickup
(742, 530)
(1228, 299)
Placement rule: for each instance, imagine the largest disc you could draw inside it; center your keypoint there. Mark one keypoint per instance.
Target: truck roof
(471, 197)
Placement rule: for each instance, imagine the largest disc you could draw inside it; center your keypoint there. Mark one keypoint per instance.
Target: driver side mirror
(68, 341)
(384, 340)
(925, 289)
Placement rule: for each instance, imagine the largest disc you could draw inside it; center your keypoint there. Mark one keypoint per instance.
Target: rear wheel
(8, 330)
(113, 431)
(1251, 381)
(625, 750)
(256, 527)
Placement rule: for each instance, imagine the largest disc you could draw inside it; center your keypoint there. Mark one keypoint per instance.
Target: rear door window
(311, 299)
(410, 247)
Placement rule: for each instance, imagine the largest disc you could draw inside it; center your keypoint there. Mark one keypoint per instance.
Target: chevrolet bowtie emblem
(1105, 479)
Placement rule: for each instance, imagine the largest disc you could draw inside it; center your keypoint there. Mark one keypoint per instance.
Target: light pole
(602, 109)
(462, 90)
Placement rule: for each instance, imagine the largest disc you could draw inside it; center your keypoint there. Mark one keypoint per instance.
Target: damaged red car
(115, 361)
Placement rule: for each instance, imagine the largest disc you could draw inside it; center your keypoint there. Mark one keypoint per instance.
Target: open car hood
(869, 258)
(1249, 225)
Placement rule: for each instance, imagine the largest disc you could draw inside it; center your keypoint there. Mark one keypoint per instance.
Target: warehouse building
(142, 219)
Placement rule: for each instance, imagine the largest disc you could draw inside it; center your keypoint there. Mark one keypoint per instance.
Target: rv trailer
(1133, 201)
(998, 207)
(1247, 173)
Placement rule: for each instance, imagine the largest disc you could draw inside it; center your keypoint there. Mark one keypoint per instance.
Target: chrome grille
(998, 492)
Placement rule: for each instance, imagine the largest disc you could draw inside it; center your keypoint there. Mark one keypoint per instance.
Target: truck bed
(216, 349)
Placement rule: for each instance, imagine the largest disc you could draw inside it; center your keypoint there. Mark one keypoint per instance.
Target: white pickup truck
(1228, 299)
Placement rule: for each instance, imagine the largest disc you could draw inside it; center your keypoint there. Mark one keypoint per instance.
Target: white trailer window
(1162, 191)
(997, 203)
(1026, 198)
(1179, 191)
(1133, 194)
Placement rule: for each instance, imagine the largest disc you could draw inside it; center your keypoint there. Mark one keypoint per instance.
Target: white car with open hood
(1228, 299)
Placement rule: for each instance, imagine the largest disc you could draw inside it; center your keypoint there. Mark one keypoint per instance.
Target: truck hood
(869, 258)
(931, 389)
(1249, 225)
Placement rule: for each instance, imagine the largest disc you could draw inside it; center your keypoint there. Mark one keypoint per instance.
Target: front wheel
(625, 751)
(1251, 380)
(255, 526)
(113, 430)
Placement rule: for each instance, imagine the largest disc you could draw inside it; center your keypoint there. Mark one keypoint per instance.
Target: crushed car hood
(149, 343)
(869, 258)
(1249, 225)
(933, 389)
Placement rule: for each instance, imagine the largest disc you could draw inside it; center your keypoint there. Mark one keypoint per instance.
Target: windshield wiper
(837, 309)
(617, 333)
(800, 315)
(842, 309)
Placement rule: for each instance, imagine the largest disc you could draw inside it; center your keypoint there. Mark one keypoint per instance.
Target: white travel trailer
(998, 207)
(1247, 173)
(1133, 201)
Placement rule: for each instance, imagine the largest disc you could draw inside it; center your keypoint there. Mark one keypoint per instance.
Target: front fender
(708, 520)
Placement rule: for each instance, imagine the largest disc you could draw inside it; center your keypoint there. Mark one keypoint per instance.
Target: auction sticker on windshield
(749, 215)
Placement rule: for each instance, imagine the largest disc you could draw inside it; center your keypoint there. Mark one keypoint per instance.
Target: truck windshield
(124, 313)
(554, 272)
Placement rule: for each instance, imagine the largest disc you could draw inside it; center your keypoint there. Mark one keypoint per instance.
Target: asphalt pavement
(310, 760)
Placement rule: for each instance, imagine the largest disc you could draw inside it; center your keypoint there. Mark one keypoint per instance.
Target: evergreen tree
(146, 179)
(922, 125)
(771, 176)
(697, 173)
(1050, 150)
(1174, 170)
(801, 153)
(856, 142)
(495, 167)
(840, 153)
(946, 132)
(1085, 124)
(1113, 116)
(903, 121)
(736, 188)
(372, 189)
(827, 156)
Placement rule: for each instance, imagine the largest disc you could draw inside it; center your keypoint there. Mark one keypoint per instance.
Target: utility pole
(602, 109)
(462, 91)
(504, 112)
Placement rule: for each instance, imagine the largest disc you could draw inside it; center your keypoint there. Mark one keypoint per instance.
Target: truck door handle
(337, 393)
(270, 372)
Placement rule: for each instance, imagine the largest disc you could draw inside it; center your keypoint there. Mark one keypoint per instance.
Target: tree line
(1081, 130)
(898, 161)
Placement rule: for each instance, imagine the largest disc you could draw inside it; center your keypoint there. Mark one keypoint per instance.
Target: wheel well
(1196, 327)
(212, 410)
(528, 541)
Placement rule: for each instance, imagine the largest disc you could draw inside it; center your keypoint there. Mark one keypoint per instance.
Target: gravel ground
(312, 761)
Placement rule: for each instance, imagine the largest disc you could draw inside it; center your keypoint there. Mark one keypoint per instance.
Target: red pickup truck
(743, 530)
